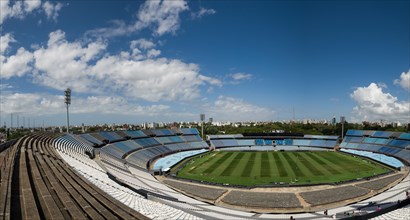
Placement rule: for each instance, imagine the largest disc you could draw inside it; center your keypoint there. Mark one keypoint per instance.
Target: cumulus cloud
(404, 81)
(142, 48)
(52, 10)
(5, 40)
(142, 43)
(64, 63)
(374, 104)
(202, 12)
(16, 65)
(34, 104)
(161, 15)
(88, 69)
(152, 79)
(17, 9)
(20, 9)
(229, 108)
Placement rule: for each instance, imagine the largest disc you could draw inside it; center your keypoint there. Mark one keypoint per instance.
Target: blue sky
(137, 61)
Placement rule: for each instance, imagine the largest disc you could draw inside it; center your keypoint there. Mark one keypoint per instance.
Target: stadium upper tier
(221, 141)
(139, 148)
(396, 144)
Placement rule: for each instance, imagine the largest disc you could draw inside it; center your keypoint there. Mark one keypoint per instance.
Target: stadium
(175, 174)
(99, 106)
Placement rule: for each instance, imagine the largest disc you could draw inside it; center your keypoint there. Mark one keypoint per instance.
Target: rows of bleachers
(169, 139)
(74, 144)
(94, 141)
(104, 137)
(379, 134)
(144, 146)
(189, 131)
(111, 136)
(166, 162)
(308, 141)
(136, 202)
(391, 161)
(158, 209)
(164, 132)
(386, 142)
(44, 187)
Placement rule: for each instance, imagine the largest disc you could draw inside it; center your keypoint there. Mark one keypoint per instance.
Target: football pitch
(272, 167)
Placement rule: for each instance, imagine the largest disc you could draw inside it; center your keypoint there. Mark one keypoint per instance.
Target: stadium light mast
(67, 101)
(202, 116)
(342, 120)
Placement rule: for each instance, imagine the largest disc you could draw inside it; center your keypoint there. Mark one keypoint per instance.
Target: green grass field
(263, 168)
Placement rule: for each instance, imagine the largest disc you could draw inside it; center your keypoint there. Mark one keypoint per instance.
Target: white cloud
(66, 64)
(114, 105)
(20, 9)
(5, 40)
(30, 5)
(116, 28)
(85, 69)
(153, 53)
(404, 80)
(152, 79)
(142, 48)
(202, 12)
(241, 76)
(237, 78)
(52, 10)
(142, 44)
(5, 86)
(16, 65)
(228, 108)
(32, 104)
(161, 15)
(17, 9)
(45, 104)
(374, 105)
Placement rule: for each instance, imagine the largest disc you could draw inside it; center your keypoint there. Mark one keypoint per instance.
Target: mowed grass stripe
(323, 163)
(293, 165)
(279, 165)
(232, 165)
(249, 166)
(265, 165)
(312, 168)
(218, 163)
(192, 171)
(337, 160)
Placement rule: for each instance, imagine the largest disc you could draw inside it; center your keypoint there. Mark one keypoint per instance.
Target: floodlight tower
(67, 101)
(202, 116)
(342, 120)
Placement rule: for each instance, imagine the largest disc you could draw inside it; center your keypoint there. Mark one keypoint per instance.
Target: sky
(164, 61)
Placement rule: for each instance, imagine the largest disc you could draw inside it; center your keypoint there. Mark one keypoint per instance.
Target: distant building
(334, 120)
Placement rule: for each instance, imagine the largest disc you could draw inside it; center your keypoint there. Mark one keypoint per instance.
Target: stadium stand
(390, 143)
(42, 186)
(91, 177)
(165, 163)
(398, 214)
(321, 141)
(391, 161)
